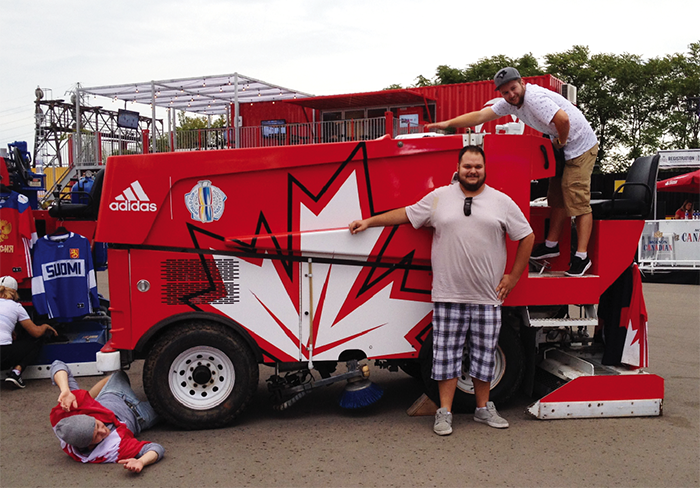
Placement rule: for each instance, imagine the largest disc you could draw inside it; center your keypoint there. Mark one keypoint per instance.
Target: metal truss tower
(61, 142)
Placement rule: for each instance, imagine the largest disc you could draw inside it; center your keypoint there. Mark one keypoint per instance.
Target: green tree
(486, 68)
(423, 81)
(593, 77)
(191, 132)
(639, 87)
(483, 69)
(623, 98)
(186, 122)
(683, 85)
(636, 106)
(446, 75)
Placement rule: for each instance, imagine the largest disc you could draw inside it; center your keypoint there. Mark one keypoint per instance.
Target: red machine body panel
(235, 233)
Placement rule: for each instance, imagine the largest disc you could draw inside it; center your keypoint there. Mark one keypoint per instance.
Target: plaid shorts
(457, 326)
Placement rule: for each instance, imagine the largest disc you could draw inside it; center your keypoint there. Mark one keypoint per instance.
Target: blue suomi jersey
(64, 284)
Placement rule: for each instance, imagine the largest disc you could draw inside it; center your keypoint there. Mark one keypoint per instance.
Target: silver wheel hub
(201, 377)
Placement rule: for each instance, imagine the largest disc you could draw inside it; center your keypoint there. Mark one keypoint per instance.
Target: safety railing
(284, 134)
(92, 150)
(95, 149)
(312, 133)
(201, 139)
(74, 156)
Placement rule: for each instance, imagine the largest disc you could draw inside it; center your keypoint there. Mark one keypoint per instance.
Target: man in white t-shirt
(569, 195)
(468, 256)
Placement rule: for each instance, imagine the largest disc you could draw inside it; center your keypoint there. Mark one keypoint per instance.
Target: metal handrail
(94, 147)
(284, 134)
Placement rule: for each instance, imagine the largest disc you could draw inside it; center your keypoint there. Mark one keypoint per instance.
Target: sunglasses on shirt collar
(467, 206)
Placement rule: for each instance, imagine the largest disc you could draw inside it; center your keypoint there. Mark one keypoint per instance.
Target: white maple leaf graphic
(377, 326)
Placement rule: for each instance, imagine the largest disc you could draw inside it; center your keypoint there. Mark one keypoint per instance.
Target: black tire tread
(168, 346)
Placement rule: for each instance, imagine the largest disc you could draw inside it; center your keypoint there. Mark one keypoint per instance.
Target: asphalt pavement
(317, 444)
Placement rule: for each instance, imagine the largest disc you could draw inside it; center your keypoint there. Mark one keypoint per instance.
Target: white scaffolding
(204, 95)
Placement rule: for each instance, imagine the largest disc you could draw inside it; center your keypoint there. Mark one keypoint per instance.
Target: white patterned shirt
(538, 110)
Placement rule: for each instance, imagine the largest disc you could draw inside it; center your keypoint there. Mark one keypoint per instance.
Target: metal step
(73, 172)
(565, 366)
(597, 396)
(565, 322)
(589, 319)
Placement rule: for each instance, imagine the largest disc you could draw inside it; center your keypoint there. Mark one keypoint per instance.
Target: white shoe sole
(545, 256)
(14, 382)
(495, 426)
(443, 432)
(582, 272)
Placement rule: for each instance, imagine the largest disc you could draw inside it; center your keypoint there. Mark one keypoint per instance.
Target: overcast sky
(322, 47)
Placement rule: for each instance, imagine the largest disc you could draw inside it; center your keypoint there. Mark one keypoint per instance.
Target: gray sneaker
(489, 416)
(443, 422)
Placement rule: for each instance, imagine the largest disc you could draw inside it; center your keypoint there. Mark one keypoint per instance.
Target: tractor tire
(412, 367)
(200, 375)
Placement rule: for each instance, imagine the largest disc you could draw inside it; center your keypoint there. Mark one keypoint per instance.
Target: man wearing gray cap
(548, 112)
(100, 426)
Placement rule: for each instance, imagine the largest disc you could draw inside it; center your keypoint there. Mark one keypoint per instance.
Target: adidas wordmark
(133, 199)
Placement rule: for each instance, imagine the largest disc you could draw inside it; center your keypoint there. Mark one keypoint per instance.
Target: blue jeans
(120, 385)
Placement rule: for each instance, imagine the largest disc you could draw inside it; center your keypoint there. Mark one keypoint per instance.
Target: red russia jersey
(17, 235)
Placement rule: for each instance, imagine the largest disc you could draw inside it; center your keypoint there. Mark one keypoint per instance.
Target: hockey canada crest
(205, 202)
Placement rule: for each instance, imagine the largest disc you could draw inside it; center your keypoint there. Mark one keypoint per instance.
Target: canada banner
(634, 318)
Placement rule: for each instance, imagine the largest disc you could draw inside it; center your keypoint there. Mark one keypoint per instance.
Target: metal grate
(186, 281)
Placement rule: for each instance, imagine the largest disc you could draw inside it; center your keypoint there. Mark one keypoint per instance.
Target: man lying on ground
(101, 425)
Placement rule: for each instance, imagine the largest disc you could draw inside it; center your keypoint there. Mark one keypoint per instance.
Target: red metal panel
(254, 175)
(120, 299)
(450, 101)
(612, 247)
(609, 388)
(384, 98)
(401, 173)
(4, 175)
(254, 113)
(148, 200)
(145, 141)
(70, 151)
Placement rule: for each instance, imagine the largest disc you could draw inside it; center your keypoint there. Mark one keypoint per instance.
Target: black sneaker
(15, 379)
(578, 266)
(541, 251)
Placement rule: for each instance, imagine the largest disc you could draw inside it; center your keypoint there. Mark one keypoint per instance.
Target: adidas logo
(133, 199)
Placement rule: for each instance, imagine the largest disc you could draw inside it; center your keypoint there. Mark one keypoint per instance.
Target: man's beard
(472, 186)
(519, 102)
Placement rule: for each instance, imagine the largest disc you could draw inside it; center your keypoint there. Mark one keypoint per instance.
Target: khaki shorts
(572, 190)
